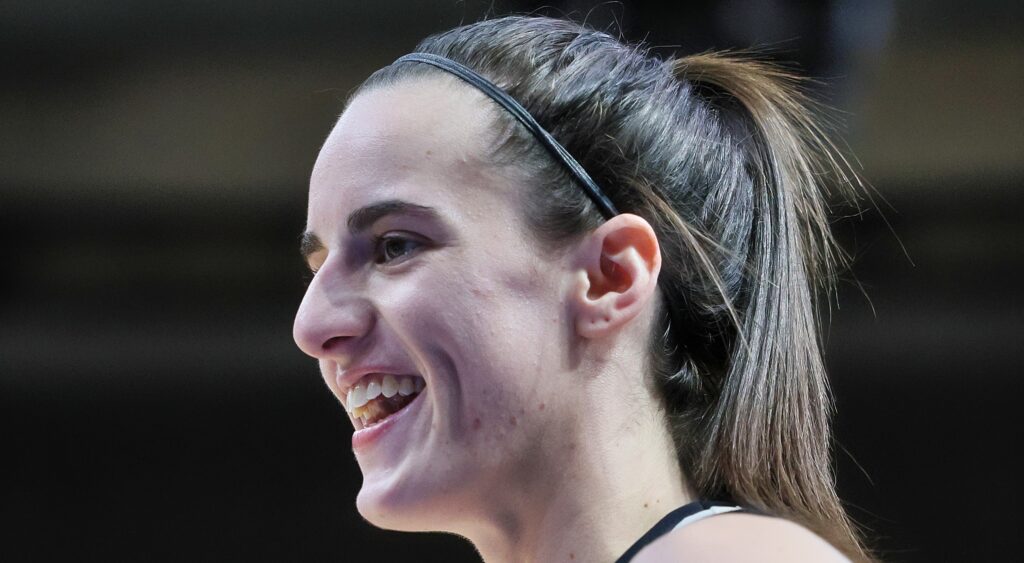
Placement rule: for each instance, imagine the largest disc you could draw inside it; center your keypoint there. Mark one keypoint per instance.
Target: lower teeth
(382, 407)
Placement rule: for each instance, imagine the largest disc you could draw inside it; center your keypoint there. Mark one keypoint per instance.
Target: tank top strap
(682, 516)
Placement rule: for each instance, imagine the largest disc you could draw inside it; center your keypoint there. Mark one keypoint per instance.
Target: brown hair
(723, 156)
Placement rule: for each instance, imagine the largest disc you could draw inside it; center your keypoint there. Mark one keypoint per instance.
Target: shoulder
(740, 537)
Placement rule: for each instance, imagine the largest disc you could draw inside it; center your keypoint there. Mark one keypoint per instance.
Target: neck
(616, 476)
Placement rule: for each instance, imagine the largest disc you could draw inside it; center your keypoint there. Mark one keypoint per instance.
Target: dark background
(153, 166)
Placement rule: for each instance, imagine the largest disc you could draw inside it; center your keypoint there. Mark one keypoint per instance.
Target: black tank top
(678, 518)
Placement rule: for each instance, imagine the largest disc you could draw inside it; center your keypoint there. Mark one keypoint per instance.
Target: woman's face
(424, 271)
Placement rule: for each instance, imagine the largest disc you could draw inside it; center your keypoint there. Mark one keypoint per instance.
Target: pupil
(394, 248)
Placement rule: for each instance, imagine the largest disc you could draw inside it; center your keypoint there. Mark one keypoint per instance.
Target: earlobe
(620, 262)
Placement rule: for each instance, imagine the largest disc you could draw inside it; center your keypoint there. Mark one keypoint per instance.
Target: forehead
(425, 140)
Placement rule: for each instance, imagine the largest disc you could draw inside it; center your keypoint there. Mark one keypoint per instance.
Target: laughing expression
(437, 322)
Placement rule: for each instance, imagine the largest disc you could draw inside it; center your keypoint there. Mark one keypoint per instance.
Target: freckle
(476, 424)
(514, 421)
(572, 556)
(645, 505)
(542, 406)
(522, 411)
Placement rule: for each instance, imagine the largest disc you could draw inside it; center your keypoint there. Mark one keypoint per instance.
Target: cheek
(506, 347)
(491, 342)
(500, 331)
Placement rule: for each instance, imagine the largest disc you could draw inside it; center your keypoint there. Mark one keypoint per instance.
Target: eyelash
(380, 245)
(307, 277)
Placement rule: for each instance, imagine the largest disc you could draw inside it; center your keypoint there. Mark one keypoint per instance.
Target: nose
(331, 323)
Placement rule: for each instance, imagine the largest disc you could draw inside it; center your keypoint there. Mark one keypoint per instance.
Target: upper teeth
(372, 386)
(389, 386)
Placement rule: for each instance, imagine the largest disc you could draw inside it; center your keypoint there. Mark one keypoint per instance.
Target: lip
(365, 438)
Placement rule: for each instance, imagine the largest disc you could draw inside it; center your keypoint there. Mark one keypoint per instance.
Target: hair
(725, 157)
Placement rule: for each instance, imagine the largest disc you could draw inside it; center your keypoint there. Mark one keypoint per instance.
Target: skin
(537, 438)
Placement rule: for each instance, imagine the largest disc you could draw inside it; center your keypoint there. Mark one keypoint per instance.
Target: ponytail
(764, 439)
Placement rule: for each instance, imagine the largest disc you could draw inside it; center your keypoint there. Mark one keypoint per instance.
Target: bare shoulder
(741, 537)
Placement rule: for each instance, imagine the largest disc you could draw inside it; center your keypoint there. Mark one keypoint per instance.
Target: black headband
(524, 117)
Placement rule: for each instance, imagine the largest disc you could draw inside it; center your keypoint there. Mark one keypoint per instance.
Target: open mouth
(376, 397)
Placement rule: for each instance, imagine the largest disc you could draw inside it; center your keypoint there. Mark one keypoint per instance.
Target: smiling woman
(564, 290)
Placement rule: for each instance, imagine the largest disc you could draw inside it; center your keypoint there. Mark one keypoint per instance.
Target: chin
(391, 502)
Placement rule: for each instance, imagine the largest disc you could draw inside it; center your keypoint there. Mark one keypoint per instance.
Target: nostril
(335, 341)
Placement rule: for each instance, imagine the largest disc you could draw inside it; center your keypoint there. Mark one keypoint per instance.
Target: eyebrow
(364, 217)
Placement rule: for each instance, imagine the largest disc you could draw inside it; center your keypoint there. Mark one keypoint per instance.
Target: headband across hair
(519, 112)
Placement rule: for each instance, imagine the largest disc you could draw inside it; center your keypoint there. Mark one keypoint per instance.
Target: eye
(392, 247)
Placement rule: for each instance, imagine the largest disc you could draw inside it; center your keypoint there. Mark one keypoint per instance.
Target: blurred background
(154, 159)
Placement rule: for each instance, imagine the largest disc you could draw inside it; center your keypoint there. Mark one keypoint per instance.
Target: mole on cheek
(476, 424)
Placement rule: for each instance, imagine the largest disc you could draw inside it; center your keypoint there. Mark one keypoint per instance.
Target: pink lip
(362, 439)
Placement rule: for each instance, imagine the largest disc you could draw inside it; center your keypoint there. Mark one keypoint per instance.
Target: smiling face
(424, 270)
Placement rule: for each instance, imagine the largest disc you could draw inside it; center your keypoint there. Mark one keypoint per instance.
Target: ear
(619, 264)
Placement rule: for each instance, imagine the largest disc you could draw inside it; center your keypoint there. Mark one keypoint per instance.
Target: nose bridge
(333, 319)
